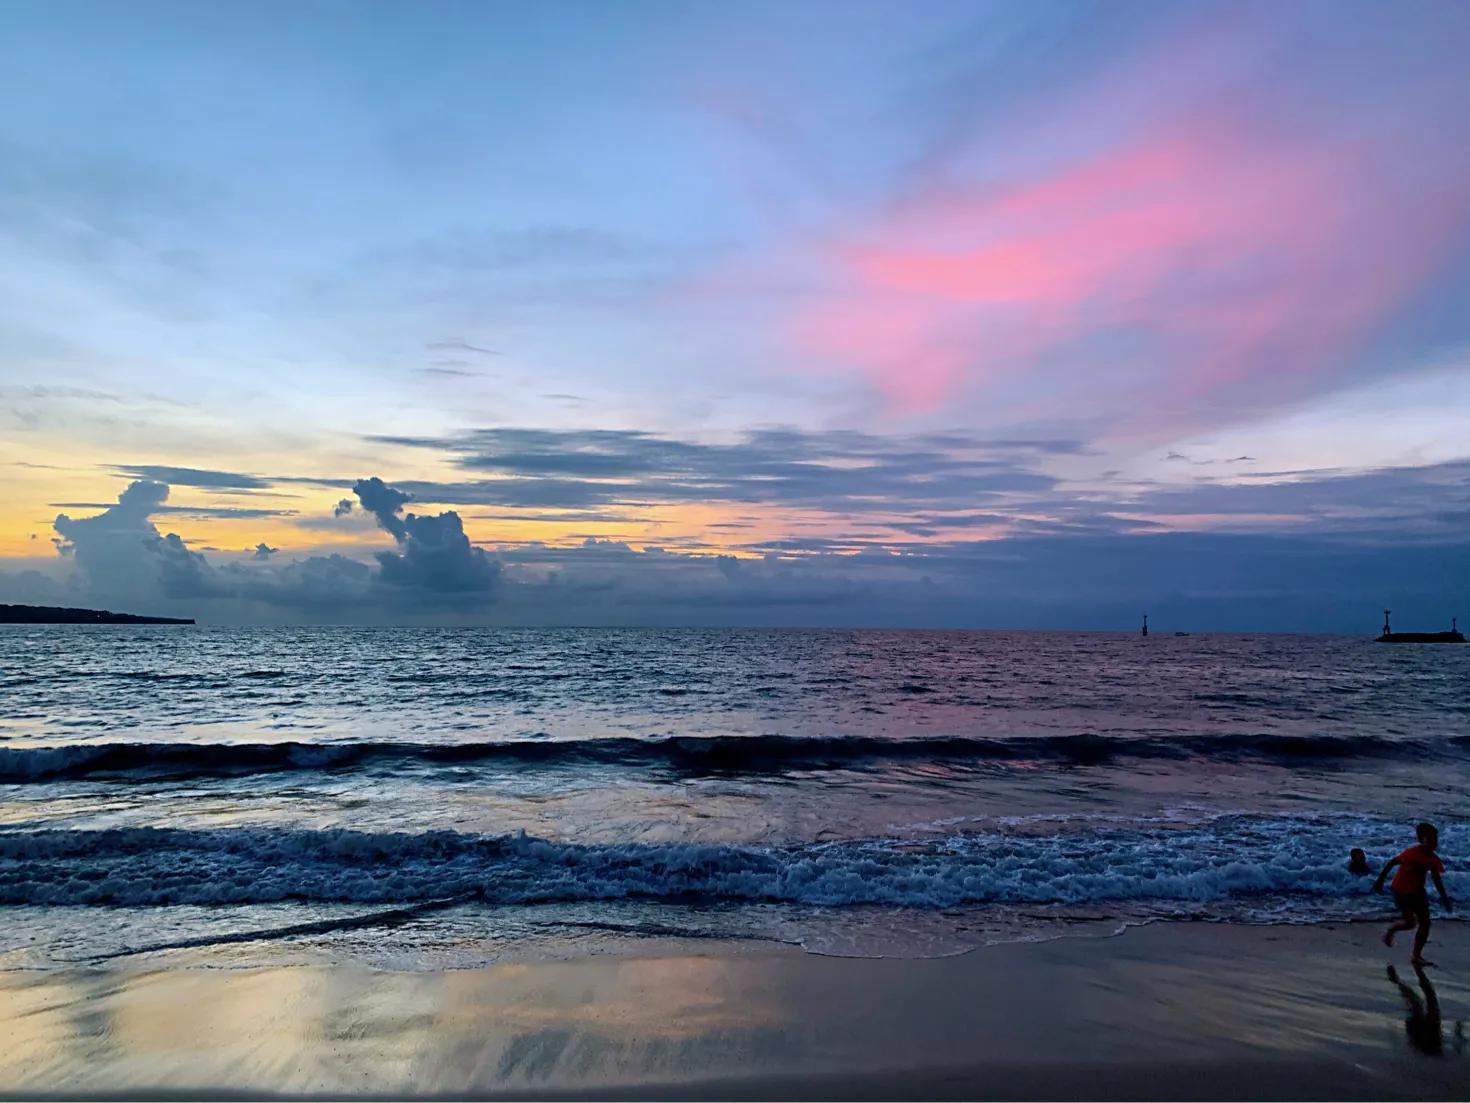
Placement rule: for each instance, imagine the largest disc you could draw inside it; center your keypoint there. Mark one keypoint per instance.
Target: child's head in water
(1428, 835)
(1357, 861)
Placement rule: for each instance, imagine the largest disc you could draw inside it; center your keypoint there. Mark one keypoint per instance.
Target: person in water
(1409, 892)
(1358, 861)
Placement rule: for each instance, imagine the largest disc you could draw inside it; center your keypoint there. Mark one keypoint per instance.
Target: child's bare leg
(1405, 922)
(1421, 936)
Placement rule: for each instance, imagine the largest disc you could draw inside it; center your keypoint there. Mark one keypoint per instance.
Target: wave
(1229, 858)
(690, 754)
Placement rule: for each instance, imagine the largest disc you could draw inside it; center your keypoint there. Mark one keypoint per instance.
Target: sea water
(428, 798)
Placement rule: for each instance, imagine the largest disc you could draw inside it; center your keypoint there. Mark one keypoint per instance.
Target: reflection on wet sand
(1424, 1024)
(321, 1030)
(1291, 1012)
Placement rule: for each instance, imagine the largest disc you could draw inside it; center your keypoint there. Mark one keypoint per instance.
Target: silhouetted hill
(48, 614)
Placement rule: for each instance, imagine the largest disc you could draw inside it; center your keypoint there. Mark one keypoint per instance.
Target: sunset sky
(991, 314)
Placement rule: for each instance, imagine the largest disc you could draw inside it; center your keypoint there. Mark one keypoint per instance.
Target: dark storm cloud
(329, 586)
(1391, 502)
(928, 526)
(847, 471)
(924, 486)
(30, 587)
(1084, 524)
(203, 512)
(121, 555)
(1222, 581)
(929, 529)
(120, 550)
(383, 502)
(434, 552)
(1100, 581)
(112, 546)
(528, 493)
(191, 476)
(437, 555)
(1078, 578)
(833, 545)
(606, 581)
(313, 480)
(582, 516)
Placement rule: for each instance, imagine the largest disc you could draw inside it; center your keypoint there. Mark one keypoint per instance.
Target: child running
(1409, 892)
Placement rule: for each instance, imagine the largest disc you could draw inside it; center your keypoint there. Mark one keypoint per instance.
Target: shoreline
(1164, 1010)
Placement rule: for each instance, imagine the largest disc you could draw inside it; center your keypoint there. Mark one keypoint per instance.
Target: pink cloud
(1234, 251)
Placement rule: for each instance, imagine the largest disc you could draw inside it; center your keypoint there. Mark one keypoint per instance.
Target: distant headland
(49, 614)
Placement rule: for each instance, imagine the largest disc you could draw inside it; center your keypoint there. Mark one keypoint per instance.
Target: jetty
(51, 614)
(1454, 635)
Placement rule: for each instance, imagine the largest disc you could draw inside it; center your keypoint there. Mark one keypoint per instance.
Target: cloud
(384, 503)
(574, 517)
(118, 548)
(457, 345)
(838, 470)
(120, 555)
(1180, 457)
(120, 551)
(192, 476)
(206, 512)
(186, 574)
(334, 587)
(1429, 502)
(866, 489)
(1234, 254)
(30, 587)
(1193, 218)
(1081, 570)
(1195, 581)
(860, 521)
(435, 554)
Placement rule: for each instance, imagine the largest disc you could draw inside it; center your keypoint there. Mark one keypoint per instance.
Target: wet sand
(1179, 1011)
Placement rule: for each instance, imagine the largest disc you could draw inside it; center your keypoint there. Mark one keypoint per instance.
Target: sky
(955, 314)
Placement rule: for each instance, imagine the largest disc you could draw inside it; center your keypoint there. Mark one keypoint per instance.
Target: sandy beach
(1196, 1011)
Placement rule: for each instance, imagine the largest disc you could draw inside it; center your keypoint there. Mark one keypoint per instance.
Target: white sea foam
(1229, 859)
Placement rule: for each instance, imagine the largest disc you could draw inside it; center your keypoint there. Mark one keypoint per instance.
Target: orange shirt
(1414, 865)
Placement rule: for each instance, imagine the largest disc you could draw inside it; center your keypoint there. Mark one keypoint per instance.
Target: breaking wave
(1226, 858)
(756, 754)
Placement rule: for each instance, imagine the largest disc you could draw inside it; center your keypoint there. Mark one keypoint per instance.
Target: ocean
(421, 798)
